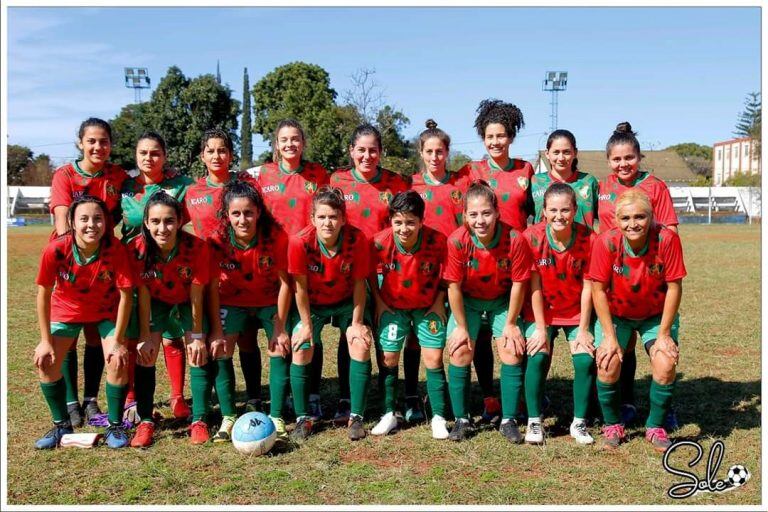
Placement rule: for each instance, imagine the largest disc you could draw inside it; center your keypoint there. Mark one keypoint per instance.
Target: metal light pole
(136, 79)
(554, 82)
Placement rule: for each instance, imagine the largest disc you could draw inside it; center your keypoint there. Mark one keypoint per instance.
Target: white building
(734, 156)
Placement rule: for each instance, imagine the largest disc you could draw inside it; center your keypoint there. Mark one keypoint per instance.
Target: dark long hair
(242, 189)
(106, 240)
(160, 197)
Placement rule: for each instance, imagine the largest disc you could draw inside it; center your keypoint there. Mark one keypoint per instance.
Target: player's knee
(359, 352)
(663, 368)
(432, 359)
(462, 356)
(303, 356)
(390, 359)
(611, 374)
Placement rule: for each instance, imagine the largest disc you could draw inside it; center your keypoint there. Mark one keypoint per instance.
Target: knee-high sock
(174, 365)
(583, 380)
(388, 387)
(458, 387)
(200, 385)
(278, 384)
(436, 389)
(69, 374)
(660, 398)
(144, 385)
(300, 377)
(316, 370)
(359, 385)
(609, 397)
(627, 379)
(225, 386)
(411, 362)
(250, 362)
(55, 394)
(343, 365)
(535, 375)
(93, 368)
(115, 401)
(512, 376)
(483, 360)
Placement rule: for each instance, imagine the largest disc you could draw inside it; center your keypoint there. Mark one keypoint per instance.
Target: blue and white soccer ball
(738, 475)
(253, 434)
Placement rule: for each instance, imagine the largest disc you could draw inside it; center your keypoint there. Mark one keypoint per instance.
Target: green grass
(718, 397)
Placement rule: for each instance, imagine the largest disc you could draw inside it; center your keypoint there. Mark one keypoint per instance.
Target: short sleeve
(454, 270)
(520, 256)
(202, 272)
(600, 261)
(664, 209)
(125, 276)
(362, 257)
(281, 250)
(297, 257)
(672, 254)
(46, 274)
(61, 189)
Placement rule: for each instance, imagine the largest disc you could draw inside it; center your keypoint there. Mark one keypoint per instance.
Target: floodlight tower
(136, 79)
(554, 82)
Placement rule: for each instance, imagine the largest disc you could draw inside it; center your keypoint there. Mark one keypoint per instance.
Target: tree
(391, 124)
(19, 157)
(743, 180)
(365, 95)
(127, 127)
(458, 160)
(750, 122)
(302, 92)
(246, 135)
(696, 156)
(39, 172)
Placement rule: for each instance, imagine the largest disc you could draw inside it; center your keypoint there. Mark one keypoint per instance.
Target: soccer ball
(738, 475)
(253, 434)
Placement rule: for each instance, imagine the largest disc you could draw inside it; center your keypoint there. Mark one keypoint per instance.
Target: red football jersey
(203, 200)
(248, 276)
(637, 283)
(610, 188)
(288, 195)
(444, 201)
(368, 201)
(411, 280)
(84, 291)
(512, 187)
(170, 281)
(562, 272)
(71, 183)
(487, 273)
(329, 279)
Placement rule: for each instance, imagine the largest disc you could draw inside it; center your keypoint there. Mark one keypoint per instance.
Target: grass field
(718, 397)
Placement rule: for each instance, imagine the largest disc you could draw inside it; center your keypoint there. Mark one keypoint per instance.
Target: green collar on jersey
(359, 177)
(641, 176)
(81, 172)
(493, 243)
(288, 171)
(230, 177)
(415, 247)
(429, 180)
(552, 240)
(324, 248)
(172, 254)
(639, 253)
(240, 246)
(573, 178)
(79, 258)
(493, 166)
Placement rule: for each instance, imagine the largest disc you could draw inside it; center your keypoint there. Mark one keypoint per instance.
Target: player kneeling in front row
(637, 271)
(172, 268)
(560, 298)
(488, 266)
(329, 263)
(83, 263)
(409, 299)
(250, 276)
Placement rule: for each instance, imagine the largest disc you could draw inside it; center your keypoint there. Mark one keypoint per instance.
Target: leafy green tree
(391, 124)
(302, 92)
(458, 160)
(743, 180)
(127, 127)
(750, 122)
(39, 172)
(696, 156)
(19, 157)
(246, 135)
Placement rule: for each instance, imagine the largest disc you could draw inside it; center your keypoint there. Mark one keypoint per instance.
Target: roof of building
(665, 164)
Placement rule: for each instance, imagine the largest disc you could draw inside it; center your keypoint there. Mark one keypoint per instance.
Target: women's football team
(440, 266)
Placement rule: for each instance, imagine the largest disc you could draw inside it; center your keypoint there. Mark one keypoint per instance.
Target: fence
(743, 203)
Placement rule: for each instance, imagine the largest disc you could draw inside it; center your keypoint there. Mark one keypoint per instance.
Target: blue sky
(677, 74)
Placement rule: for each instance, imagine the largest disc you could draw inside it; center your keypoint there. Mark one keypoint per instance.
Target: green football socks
(224, 382)
(660, 399)
(458, 388)
(55, 394)
(359, 385)
(69, 372)
(535, 375)
(583, 380)
(609, 397)
(388, 387)
(115, 402)
(511, 380)
(200, 385)
(436, 389)
(278, 384)
(300, 377)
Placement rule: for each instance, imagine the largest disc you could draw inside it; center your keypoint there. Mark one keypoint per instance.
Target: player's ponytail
(623, 134)
(481, 188)
(329, 196)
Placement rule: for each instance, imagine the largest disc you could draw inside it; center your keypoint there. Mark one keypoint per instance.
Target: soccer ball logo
(738, 475)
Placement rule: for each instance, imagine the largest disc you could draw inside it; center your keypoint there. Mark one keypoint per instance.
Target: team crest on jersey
(522, 181)
(384, 197)
(584, 191)
(504, 264)
(310, 187)
(655, 269)
(67, 276)
(105, 275)
(265, 261)
(432, 326)
(426, 267)
(112, 190)
(184, 272)
(345, 268)
(456, 196)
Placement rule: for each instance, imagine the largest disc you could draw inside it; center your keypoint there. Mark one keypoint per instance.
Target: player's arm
(279, 334)
(44, 354)
(664, 341)
(214, 309)
(358, 302)
(60, 219)
(584, 338)
(304, 334)
(123, 314)
(538, 340)
(512, 333)
(460, 335)
(609, 346)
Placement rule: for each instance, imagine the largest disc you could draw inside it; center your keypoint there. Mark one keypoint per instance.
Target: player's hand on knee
(44, 355)
(666, 345)
(118, 356)
(537, 342)
(584, 343)
(458, 338)
(302, 336)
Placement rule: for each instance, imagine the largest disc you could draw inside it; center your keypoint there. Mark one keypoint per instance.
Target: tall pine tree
(246, 130)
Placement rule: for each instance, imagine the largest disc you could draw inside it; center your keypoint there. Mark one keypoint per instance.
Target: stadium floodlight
(137, 79)
(554, 82)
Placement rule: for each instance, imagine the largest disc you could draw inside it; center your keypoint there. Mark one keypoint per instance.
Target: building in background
(734, 156)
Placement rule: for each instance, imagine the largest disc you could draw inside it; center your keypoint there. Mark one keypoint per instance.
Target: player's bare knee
(462, 356)
(391, 359)
(432, 360)
(358, 352)
(612, 373)
(303, 356)
(663, 368)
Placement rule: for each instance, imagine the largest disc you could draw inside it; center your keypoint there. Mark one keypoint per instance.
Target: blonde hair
(634, 197)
